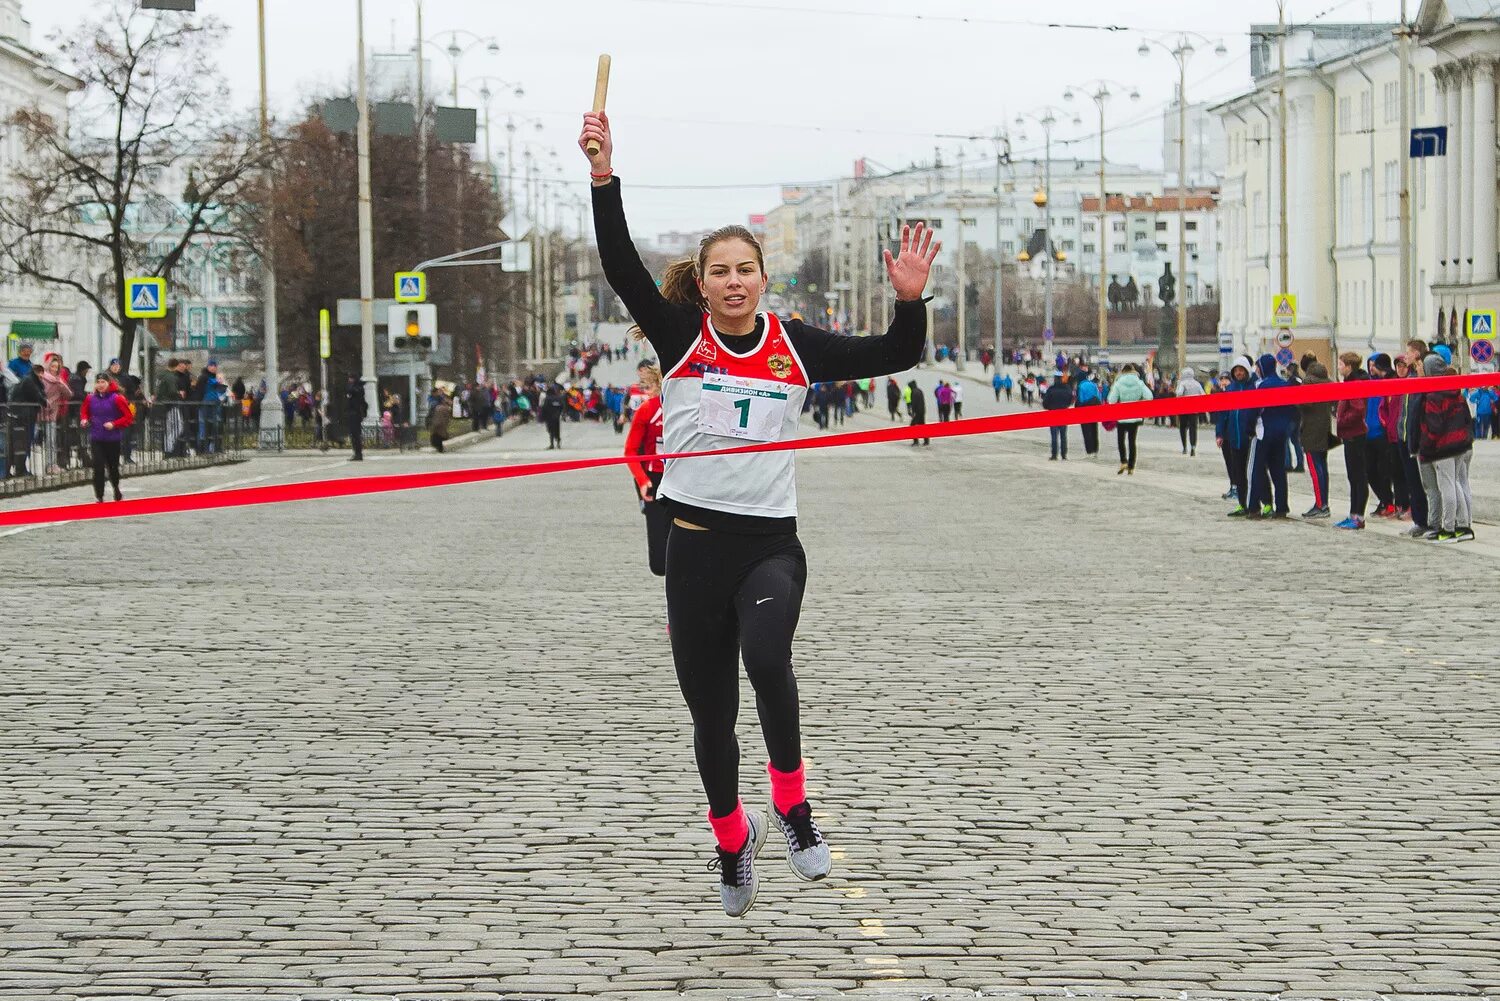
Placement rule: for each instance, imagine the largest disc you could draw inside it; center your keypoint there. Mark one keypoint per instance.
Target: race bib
(736, 407)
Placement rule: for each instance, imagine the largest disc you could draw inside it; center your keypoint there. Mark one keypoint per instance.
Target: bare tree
(88, 209)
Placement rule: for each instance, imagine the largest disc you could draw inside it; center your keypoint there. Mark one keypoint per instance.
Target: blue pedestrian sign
(1431, 141)
(1481, 325)
(145, 298)
(411, 286)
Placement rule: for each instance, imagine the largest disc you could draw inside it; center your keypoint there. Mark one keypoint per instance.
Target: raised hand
(596, 128)
(909, 270)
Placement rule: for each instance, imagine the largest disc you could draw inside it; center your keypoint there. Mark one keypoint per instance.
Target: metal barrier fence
(314, 434)
(43, 455)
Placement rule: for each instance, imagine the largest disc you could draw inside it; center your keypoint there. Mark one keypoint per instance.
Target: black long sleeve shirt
(672, 329)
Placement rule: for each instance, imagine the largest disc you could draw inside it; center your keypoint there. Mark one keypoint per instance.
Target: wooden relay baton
(601, 88)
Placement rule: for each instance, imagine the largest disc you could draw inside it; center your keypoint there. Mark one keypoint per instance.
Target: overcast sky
(747, 96)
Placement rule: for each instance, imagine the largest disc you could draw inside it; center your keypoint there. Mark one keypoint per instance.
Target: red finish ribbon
(1252, 399)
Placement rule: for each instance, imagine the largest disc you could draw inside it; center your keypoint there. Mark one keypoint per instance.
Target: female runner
(644, 440)
(735, 570)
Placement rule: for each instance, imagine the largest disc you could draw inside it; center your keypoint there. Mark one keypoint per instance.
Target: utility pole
(272, 418)
(1281, 115)
(1103, 247)
(1408, 319)
(999, 261)
(422, 126)
(366, 238)
(1182, 279)
(963, 285)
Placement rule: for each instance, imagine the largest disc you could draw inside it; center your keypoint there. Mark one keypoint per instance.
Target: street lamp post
(1098, 91)
(366, 235)
(1002, 156)
(1181, 49)
(1046, 117)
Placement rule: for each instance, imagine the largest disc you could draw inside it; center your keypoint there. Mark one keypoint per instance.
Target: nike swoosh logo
(763, 601)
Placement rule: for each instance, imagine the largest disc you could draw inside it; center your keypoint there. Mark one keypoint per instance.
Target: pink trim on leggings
(787, 788)
(732, 831)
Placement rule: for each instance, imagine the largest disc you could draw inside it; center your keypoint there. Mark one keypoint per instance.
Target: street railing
(44, 455)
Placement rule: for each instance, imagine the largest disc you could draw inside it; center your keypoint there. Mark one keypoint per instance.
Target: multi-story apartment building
(1344, 149)
(30, 310)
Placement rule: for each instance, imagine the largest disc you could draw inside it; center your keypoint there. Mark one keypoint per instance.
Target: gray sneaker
(806, 851)
(738, 883)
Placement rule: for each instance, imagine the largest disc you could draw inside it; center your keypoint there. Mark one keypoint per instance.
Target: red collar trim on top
(767, 319)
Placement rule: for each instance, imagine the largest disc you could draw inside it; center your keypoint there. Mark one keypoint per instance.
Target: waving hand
(908, 271)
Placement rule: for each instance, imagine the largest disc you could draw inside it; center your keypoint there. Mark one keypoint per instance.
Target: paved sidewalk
(1067, 732)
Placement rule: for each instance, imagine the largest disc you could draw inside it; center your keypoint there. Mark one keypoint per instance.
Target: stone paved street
(1065, 730)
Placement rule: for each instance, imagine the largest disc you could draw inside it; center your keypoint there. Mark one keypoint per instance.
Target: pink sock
(732, 831)
(787, 788)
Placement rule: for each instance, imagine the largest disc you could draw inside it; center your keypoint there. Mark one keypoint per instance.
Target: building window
(1119, 248)
(1422, 293)
(1161, 225)
(1192, 225)
(1161, 248)
(1366, 110)
(1367, 202)
(1069, 221)
(1139, 236)
(1346, 208)
(1008, 246)
(1392, 97)
(1088, 227)
(1007, 221)
(1088, 248)
(196, 319)
(1119, 226)
(1392, 199)
(1192, 248)
(1346, 114)
(1067, 245)
(1421, 93)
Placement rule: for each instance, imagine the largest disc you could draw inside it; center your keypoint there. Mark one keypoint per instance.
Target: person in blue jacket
(1273, 428)
(1234, 433)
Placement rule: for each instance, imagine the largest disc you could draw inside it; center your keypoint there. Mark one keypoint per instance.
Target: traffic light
(411, 326)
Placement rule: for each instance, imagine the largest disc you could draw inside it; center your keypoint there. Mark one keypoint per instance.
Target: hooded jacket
(917, 403)
(1349, 415)
(1317, 419)
(1129, 388)
(1376, 406)
(1447, 428)
(1275, 420)
(1236, 427)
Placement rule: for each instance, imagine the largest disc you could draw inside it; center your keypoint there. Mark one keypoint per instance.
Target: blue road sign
(1430, 141)
(145, 298)
(1482, 351)
(1285, 356)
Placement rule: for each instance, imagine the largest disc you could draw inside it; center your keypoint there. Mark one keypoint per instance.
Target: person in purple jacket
(106, 413)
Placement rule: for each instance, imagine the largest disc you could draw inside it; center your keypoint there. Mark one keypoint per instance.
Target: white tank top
(752, 397)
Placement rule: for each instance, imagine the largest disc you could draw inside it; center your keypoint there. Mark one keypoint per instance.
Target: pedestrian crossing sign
(1283, 312)
(145, 298)
(1481, 325)
(411, 286)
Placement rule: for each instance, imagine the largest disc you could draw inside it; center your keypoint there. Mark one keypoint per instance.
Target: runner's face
(732, 281)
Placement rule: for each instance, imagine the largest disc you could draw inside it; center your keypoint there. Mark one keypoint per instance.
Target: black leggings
(106, 459)
(1187, 430)
(1125, 436)
(729, 596)
(1355, 465)
(1238, 461)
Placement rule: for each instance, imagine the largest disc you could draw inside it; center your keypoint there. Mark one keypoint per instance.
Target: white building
(1142, 237)
(1344, 153)
(54, 318)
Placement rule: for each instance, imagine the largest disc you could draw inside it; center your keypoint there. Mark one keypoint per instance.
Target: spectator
(1233, 434)
(1318, 439)
(54, 409)
(1350, 422)
(1446, 442)
(1128, 388)
(442, 415)
(1273, 427)
(1059, 396)
(356, 407)
(916, 405)
(1187, 424)
(1089, 395)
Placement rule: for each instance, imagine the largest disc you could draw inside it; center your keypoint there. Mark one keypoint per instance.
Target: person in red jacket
(644, 439)
(106, 413)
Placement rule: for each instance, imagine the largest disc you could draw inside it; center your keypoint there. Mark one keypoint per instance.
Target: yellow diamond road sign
(411, 286)
(145, 298)
(1283, 312)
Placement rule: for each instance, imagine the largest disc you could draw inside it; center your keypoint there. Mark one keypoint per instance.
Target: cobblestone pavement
(1065, 730)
